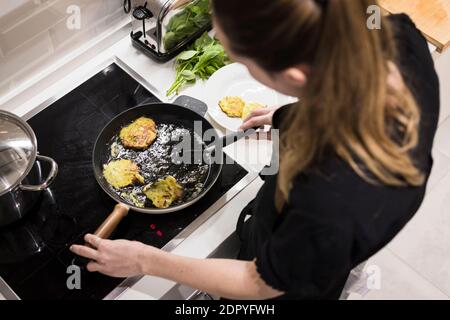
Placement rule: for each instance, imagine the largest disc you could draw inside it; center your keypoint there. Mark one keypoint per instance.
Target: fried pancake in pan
(140, 134)
(122, 173)
(164, 192)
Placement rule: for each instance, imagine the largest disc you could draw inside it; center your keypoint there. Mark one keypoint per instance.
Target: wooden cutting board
(432, 17)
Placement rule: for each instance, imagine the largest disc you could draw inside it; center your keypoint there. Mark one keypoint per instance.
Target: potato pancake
(140, 134)
(164, 192)
(232, 106)
(122, 173)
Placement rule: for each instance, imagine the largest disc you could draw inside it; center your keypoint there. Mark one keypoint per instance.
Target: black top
(334, 219)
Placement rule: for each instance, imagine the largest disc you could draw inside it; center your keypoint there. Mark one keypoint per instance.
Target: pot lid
(17, 150)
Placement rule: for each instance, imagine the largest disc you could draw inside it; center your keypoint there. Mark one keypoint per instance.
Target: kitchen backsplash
(36, 33)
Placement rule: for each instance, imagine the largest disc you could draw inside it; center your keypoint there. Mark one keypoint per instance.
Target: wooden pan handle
(110, 224)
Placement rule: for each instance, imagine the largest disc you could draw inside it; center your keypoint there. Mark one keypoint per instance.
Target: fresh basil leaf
(188, 75)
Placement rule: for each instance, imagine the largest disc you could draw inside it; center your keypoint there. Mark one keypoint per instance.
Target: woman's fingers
(93, 240)
(259, 118)
(255, 122)
(93, 266)
(84, 251)
(259, 112)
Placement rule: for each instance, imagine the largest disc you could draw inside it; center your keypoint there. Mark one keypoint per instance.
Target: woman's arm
(232, 279)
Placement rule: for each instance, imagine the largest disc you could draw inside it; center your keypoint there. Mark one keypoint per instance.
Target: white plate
(235, 80)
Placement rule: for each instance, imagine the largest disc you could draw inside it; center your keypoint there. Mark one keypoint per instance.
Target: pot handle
(48, 181)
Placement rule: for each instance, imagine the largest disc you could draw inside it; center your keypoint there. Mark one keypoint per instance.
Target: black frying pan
(167, 117)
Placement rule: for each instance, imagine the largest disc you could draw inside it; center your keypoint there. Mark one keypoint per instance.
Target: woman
(355, 153)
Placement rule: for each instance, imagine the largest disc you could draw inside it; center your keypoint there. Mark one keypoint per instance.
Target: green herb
(201, 60)
(192, 18)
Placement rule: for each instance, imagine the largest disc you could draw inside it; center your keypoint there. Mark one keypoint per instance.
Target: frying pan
(162, 113)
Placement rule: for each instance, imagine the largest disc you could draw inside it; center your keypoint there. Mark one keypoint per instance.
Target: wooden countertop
(432, 17)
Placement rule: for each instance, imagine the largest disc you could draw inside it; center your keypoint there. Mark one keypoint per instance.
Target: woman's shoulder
(401, 18)
(404, 26)
(413, 54)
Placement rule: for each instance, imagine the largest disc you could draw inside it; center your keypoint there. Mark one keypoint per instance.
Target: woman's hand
(259, 118)
(118, 258)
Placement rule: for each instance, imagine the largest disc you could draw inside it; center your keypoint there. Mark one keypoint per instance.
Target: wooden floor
(432, 17)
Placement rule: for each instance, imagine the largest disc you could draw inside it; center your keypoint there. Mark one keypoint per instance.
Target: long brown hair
(349, 106)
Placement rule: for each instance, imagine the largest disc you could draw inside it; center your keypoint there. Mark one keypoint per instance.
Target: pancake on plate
(232, 106)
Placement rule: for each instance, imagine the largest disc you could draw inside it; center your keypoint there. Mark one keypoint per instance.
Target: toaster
(164, 28)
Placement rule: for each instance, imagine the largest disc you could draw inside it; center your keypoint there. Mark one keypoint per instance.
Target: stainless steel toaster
(163, 28)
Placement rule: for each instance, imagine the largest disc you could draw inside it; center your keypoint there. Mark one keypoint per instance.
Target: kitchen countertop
(217, 231)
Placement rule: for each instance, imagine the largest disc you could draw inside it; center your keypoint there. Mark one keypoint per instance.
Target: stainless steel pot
(20, 168)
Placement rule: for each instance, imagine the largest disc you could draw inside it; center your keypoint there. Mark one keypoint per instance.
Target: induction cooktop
(34, 256)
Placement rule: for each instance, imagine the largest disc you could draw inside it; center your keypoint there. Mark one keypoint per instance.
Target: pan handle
(192, 104)
(110, 224)
(231, 138)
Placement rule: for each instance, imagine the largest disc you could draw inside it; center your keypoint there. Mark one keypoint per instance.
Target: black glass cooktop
(34, 254)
